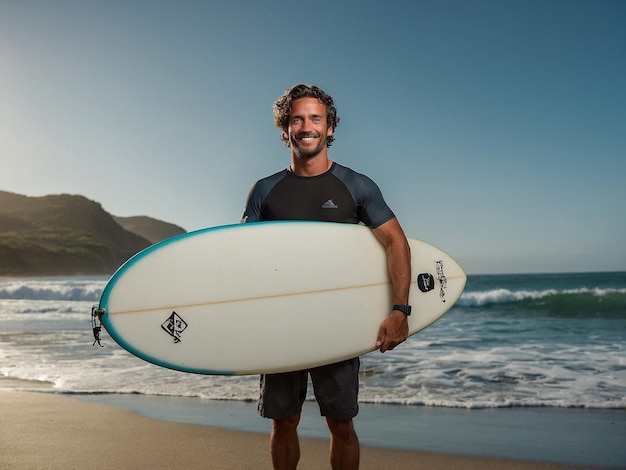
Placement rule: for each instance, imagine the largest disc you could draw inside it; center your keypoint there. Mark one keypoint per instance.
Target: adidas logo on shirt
(330, 205)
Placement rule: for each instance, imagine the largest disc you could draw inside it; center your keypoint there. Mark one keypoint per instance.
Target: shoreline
(52, 430)
(55, 432)
(564, 436)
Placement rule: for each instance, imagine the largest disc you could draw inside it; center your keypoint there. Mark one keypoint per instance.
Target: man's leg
(284, 444)
(281, 399)
(336, 388)
(344, 445)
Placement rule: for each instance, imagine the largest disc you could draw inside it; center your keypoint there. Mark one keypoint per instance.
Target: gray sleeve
(371, 205)
(252, 211)
(257, 196)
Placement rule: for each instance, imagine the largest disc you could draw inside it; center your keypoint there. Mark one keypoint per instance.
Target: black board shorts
(336, 389)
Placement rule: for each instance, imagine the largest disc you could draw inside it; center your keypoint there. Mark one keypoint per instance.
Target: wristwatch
(406, 309)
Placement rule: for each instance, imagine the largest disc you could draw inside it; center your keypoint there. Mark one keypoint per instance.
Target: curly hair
(282, 108)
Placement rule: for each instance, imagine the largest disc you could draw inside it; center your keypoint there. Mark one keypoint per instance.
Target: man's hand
(393, 330)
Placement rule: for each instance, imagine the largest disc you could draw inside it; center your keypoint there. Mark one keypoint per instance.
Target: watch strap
(406, 309)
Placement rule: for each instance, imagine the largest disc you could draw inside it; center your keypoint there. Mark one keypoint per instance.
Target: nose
(307, 125)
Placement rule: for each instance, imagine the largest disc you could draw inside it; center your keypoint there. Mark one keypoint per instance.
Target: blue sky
(495, 129)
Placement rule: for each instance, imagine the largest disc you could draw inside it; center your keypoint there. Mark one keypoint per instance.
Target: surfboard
(267, 297)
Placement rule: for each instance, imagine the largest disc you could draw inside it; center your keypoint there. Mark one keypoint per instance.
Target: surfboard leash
(96, 324)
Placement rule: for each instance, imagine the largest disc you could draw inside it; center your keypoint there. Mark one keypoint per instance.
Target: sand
(52, 431)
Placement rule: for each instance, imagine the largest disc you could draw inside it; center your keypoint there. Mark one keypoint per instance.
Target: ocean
(511, 341)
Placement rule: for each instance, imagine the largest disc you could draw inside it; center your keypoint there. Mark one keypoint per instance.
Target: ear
(285, 138)
(329, 131)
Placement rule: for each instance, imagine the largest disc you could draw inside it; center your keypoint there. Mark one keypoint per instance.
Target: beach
(53, 431)
(526, 371)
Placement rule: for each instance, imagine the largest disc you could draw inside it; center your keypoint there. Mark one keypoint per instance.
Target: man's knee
(286, 425)
(342, 429)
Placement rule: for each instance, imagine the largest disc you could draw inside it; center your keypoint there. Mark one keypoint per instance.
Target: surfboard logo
(425, 282)
(441, 277)
(174, 326)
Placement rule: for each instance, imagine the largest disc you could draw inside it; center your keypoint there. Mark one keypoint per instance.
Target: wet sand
(52, 431)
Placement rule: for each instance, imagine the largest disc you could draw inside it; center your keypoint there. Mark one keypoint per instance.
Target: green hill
(68, 235)
(151, 229)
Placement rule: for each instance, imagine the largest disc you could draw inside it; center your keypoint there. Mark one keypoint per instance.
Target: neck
(310, 166)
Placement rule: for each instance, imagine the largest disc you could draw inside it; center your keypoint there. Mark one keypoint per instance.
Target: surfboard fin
(96, 324)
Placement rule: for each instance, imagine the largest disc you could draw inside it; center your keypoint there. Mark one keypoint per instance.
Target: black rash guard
(339, 195)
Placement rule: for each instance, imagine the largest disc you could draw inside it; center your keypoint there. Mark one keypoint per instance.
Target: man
(316, 188)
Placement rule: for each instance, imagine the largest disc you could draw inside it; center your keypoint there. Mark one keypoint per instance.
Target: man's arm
(395, 328)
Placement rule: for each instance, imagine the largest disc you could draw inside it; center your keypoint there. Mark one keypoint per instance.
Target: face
(308, 127)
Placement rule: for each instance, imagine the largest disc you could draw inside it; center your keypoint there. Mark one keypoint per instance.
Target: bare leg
(284, 445)
(344, 445)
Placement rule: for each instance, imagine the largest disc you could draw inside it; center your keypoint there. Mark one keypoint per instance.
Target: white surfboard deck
(267, 297)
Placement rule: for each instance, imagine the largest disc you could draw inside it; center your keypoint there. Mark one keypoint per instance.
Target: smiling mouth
(307, 137)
